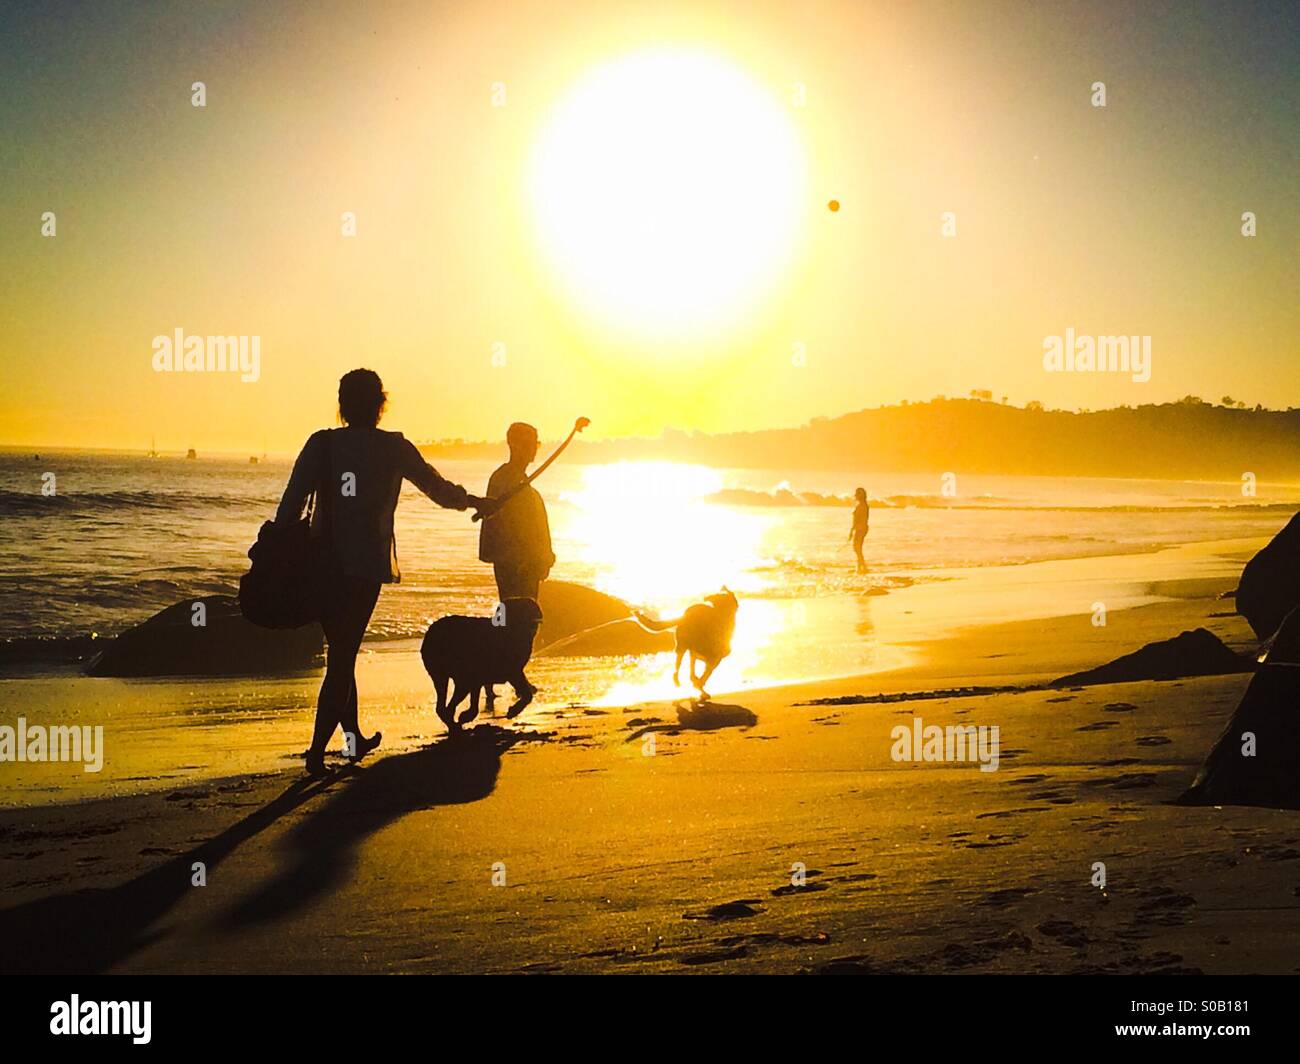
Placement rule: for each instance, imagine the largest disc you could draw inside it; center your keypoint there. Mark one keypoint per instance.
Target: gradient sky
(226, 219)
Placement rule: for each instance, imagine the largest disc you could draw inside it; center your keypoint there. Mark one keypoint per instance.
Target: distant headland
(1190, 439)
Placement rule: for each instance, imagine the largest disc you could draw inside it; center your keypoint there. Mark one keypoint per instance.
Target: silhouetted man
(861, 519)
(517, 538)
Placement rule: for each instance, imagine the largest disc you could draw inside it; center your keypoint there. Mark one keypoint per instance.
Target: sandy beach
(768, 831)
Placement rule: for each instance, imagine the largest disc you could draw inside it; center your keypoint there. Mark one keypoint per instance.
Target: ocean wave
(34, 504)
(784, 496)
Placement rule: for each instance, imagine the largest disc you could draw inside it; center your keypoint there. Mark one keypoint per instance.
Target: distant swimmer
(861, 519)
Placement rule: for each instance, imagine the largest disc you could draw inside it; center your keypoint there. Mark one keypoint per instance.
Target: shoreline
(97, 637)
(211, 729)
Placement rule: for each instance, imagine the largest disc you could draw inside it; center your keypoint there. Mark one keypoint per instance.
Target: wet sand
(655, 837)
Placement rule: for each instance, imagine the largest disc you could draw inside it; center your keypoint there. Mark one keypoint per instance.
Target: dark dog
(477, 652)
(704, 632)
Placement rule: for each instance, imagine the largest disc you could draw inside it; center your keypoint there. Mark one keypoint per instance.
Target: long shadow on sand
(320, 852)
(91, 931)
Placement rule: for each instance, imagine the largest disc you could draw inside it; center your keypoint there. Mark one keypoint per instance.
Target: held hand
(483, 507)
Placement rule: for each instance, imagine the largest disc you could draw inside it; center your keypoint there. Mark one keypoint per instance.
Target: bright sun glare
(654, 538)
(667, 189)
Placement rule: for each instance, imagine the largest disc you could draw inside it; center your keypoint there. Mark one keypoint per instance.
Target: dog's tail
(651, 625)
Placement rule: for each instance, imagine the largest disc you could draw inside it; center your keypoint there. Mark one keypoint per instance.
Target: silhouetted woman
(362, 468)
(861, 519)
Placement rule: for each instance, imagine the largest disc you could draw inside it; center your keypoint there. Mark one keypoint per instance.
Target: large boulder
(570, 611)
(171, 644)
(1256, 760)
(1270, 584)
(1196, 653)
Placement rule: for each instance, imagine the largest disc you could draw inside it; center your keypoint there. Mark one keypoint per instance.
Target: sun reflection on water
(653, 538)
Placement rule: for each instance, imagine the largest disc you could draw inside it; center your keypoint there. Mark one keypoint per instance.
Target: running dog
(473, 653)
(704, 632)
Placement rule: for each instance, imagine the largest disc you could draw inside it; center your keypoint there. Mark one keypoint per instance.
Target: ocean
(124, 535)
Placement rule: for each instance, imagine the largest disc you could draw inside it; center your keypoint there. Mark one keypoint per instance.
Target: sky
(621, 210)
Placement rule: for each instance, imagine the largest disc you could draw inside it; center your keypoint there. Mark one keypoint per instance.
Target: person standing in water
(516, 539)
(861, 519)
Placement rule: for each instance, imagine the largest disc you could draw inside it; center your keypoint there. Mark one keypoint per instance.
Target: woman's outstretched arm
(303, 480)
(431, 482)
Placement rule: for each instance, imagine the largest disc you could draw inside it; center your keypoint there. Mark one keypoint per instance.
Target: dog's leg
(472, 712)
(440, 687)
(457, 697)
(709, 666)
(491, 699)
(678, 667)
(524, 692)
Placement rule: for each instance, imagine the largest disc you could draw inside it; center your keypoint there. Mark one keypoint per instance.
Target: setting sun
(667, 189)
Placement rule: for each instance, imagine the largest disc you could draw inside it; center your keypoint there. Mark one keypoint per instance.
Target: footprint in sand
(982, 950)
(1008, 896)
(855, 965)
(770, 938)
(730, 910)
(1152, 740)
(716, 956)
(1054, 797)
(1065, 933)
(999, 841)
(1062, 698)
(1119, 707)
(1161, 964)
(1132, 781)
(1002, 814)
(1164, 906)
(791, 888)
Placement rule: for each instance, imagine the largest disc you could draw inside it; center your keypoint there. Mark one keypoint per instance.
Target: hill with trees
(1185, 440)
